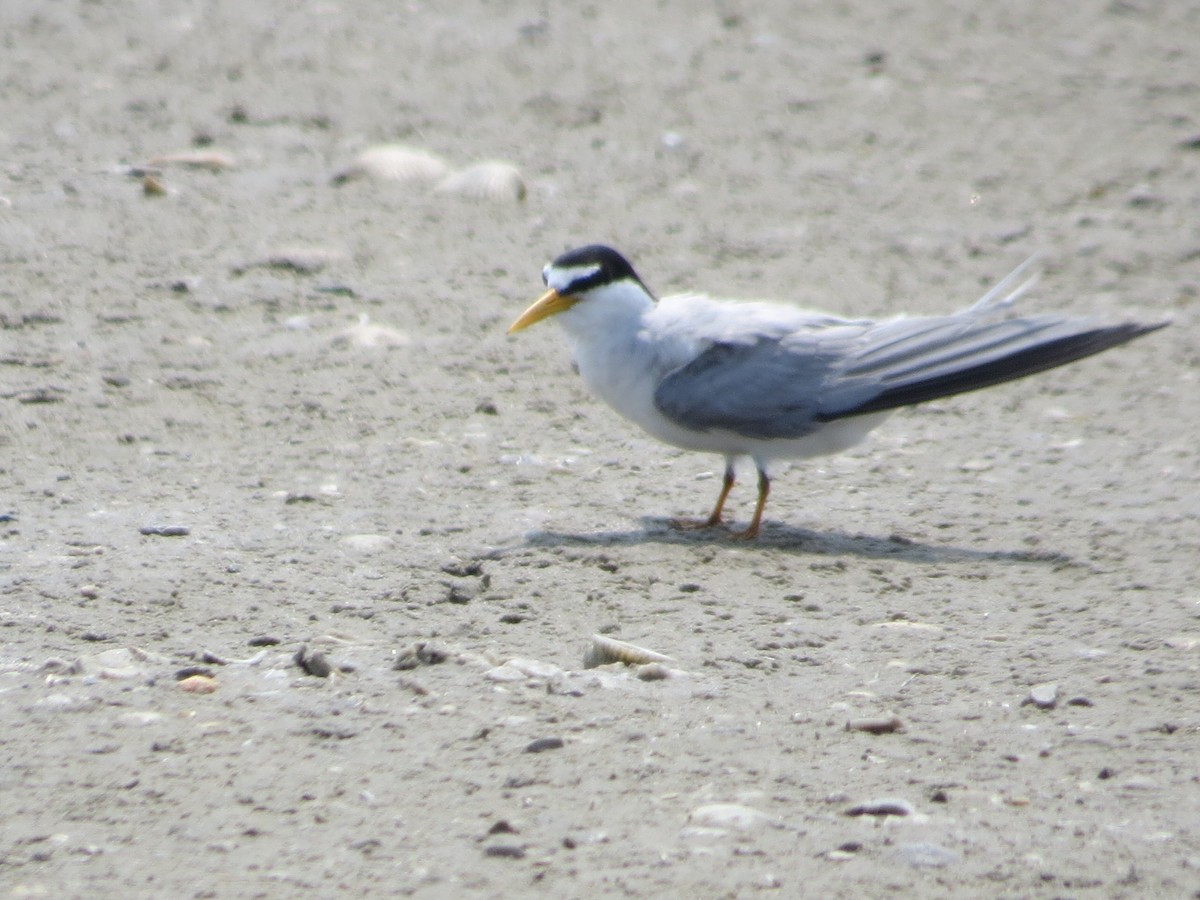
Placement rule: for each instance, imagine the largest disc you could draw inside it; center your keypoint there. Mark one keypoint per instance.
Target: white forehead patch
(561, 279)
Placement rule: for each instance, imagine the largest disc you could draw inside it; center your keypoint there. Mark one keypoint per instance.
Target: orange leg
(764, 488)
(715, 518)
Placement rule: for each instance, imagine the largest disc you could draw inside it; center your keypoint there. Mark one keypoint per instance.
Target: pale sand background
(865, 158)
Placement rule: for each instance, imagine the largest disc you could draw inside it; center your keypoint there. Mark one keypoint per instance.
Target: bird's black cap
(595, 266)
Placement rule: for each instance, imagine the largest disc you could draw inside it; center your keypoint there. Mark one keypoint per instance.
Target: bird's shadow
(777, 537)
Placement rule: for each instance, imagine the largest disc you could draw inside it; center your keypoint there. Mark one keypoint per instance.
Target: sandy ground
(208, 464)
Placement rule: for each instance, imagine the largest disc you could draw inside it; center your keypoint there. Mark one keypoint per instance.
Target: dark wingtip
(1030, 361)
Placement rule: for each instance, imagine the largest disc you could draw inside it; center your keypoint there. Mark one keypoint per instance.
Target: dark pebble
(543, 744)
(165, 530)
(264, 640)
(314, 663)
(189, 671)
(505, 851)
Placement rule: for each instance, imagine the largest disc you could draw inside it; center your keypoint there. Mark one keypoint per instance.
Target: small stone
(876, 726)
(199, 684)
(505, 851)
(1142, 197)
(1043, 696)
(882, 807)
(422, 653)
(153, 186)
(315, 663)
(541, 745)
(264, 640)
(165, 530)
(188, 671)
(653, 672)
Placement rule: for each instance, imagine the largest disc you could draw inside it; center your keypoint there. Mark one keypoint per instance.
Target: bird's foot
(696, 524)
(747, 534)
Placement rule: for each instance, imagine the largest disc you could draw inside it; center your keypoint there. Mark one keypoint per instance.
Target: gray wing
(787, 387)
(759, 390)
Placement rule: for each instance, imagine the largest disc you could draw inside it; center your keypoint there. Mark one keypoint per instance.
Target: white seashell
(729, 816)
(370, 334)
(492, 180)
(606, 650)
(393, 162)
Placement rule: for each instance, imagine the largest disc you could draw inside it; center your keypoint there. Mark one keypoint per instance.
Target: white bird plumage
(769, 381)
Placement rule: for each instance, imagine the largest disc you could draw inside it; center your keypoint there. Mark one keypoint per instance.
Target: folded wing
(787, 386)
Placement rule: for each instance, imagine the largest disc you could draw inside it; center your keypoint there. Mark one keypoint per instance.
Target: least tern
(770, 381)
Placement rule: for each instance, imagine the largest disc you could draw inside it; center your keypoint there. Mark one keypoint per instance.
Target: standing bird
(770, 381)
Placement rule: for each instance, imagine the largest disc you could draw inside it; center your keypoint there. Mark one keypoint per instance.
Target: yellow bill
(549, 304)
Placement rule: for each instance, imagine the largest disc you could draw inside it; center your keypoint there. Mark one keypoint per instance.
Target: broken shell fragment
(393, 162)
(491, 180)
(371, 334)
(605, 650)
(212, 160)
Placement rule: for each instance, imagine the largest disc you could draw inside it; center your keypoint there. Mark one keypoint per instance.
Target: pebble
(876, 726)
(152, 186)
(199, 684)
(315, 663)
(888, 806)
(165, 530)
(422, 653)
(654, 672)
(504, 851)
(1043, 696)
(541, 745)
(189, 671)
